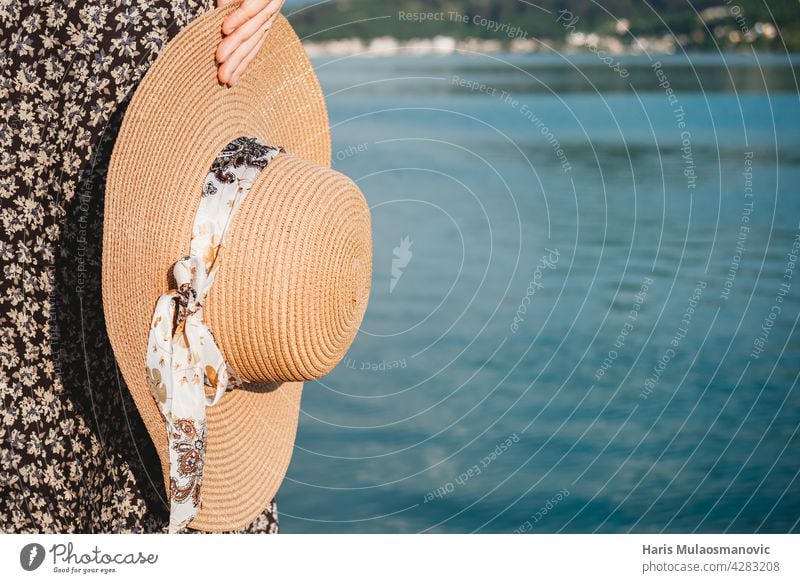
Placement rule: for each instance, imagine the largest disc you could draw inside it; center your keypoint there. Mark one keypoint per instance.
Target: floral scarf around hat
(182, 357)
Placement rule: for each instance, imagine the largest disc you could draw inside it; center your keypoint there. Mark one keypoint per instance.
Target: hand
(244, 31)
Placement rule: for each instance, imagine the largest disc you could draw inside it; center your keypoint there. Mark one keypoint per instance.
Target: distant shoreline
(446, 45)
(603, 47)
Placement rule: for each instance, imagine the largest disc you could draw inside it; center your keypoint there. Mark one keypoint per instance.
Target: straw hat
(294, 279)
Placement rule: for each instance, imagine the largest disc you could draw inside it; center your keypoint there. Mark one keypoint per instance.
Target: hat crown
(294, 277)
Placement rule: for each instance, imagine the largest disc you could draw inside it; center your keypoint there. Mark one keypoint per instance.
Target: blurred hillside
(711, 23)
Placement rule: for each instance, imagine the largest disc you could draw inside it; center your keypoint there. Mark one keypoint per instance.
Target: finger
(246, 11)
(221, 3)
(248, 59)
(226, 70)
(244, 32)
(239, 71)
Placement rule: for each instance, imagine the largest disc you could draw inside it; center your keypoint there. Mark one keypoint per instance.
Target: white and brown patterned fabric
(183, 359)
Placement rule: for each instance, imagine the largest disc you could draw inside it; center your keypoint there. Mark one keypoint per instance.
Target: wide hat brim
(178, 120)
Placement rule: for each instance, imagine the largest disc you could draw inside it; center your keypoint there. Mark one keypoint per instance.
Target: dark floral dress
(74, 453)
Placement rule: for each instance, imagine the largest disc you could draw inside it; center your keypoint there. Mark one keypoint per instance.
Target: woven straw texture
(295, 271)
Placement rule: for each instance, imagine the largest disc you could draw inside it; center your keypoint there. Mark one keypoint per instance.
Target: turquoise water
(593, 328)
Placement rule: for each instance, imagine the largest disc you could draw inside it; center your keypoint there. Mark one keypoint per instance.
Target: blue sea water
(591, 325)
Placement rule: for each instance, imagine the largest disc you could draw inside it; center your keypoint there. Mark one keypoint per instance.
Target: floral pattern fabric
(74, 453)
(182, 358)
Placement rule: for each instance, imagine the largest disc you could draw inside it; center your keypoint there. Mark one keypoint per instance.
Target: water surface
(592, 330)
